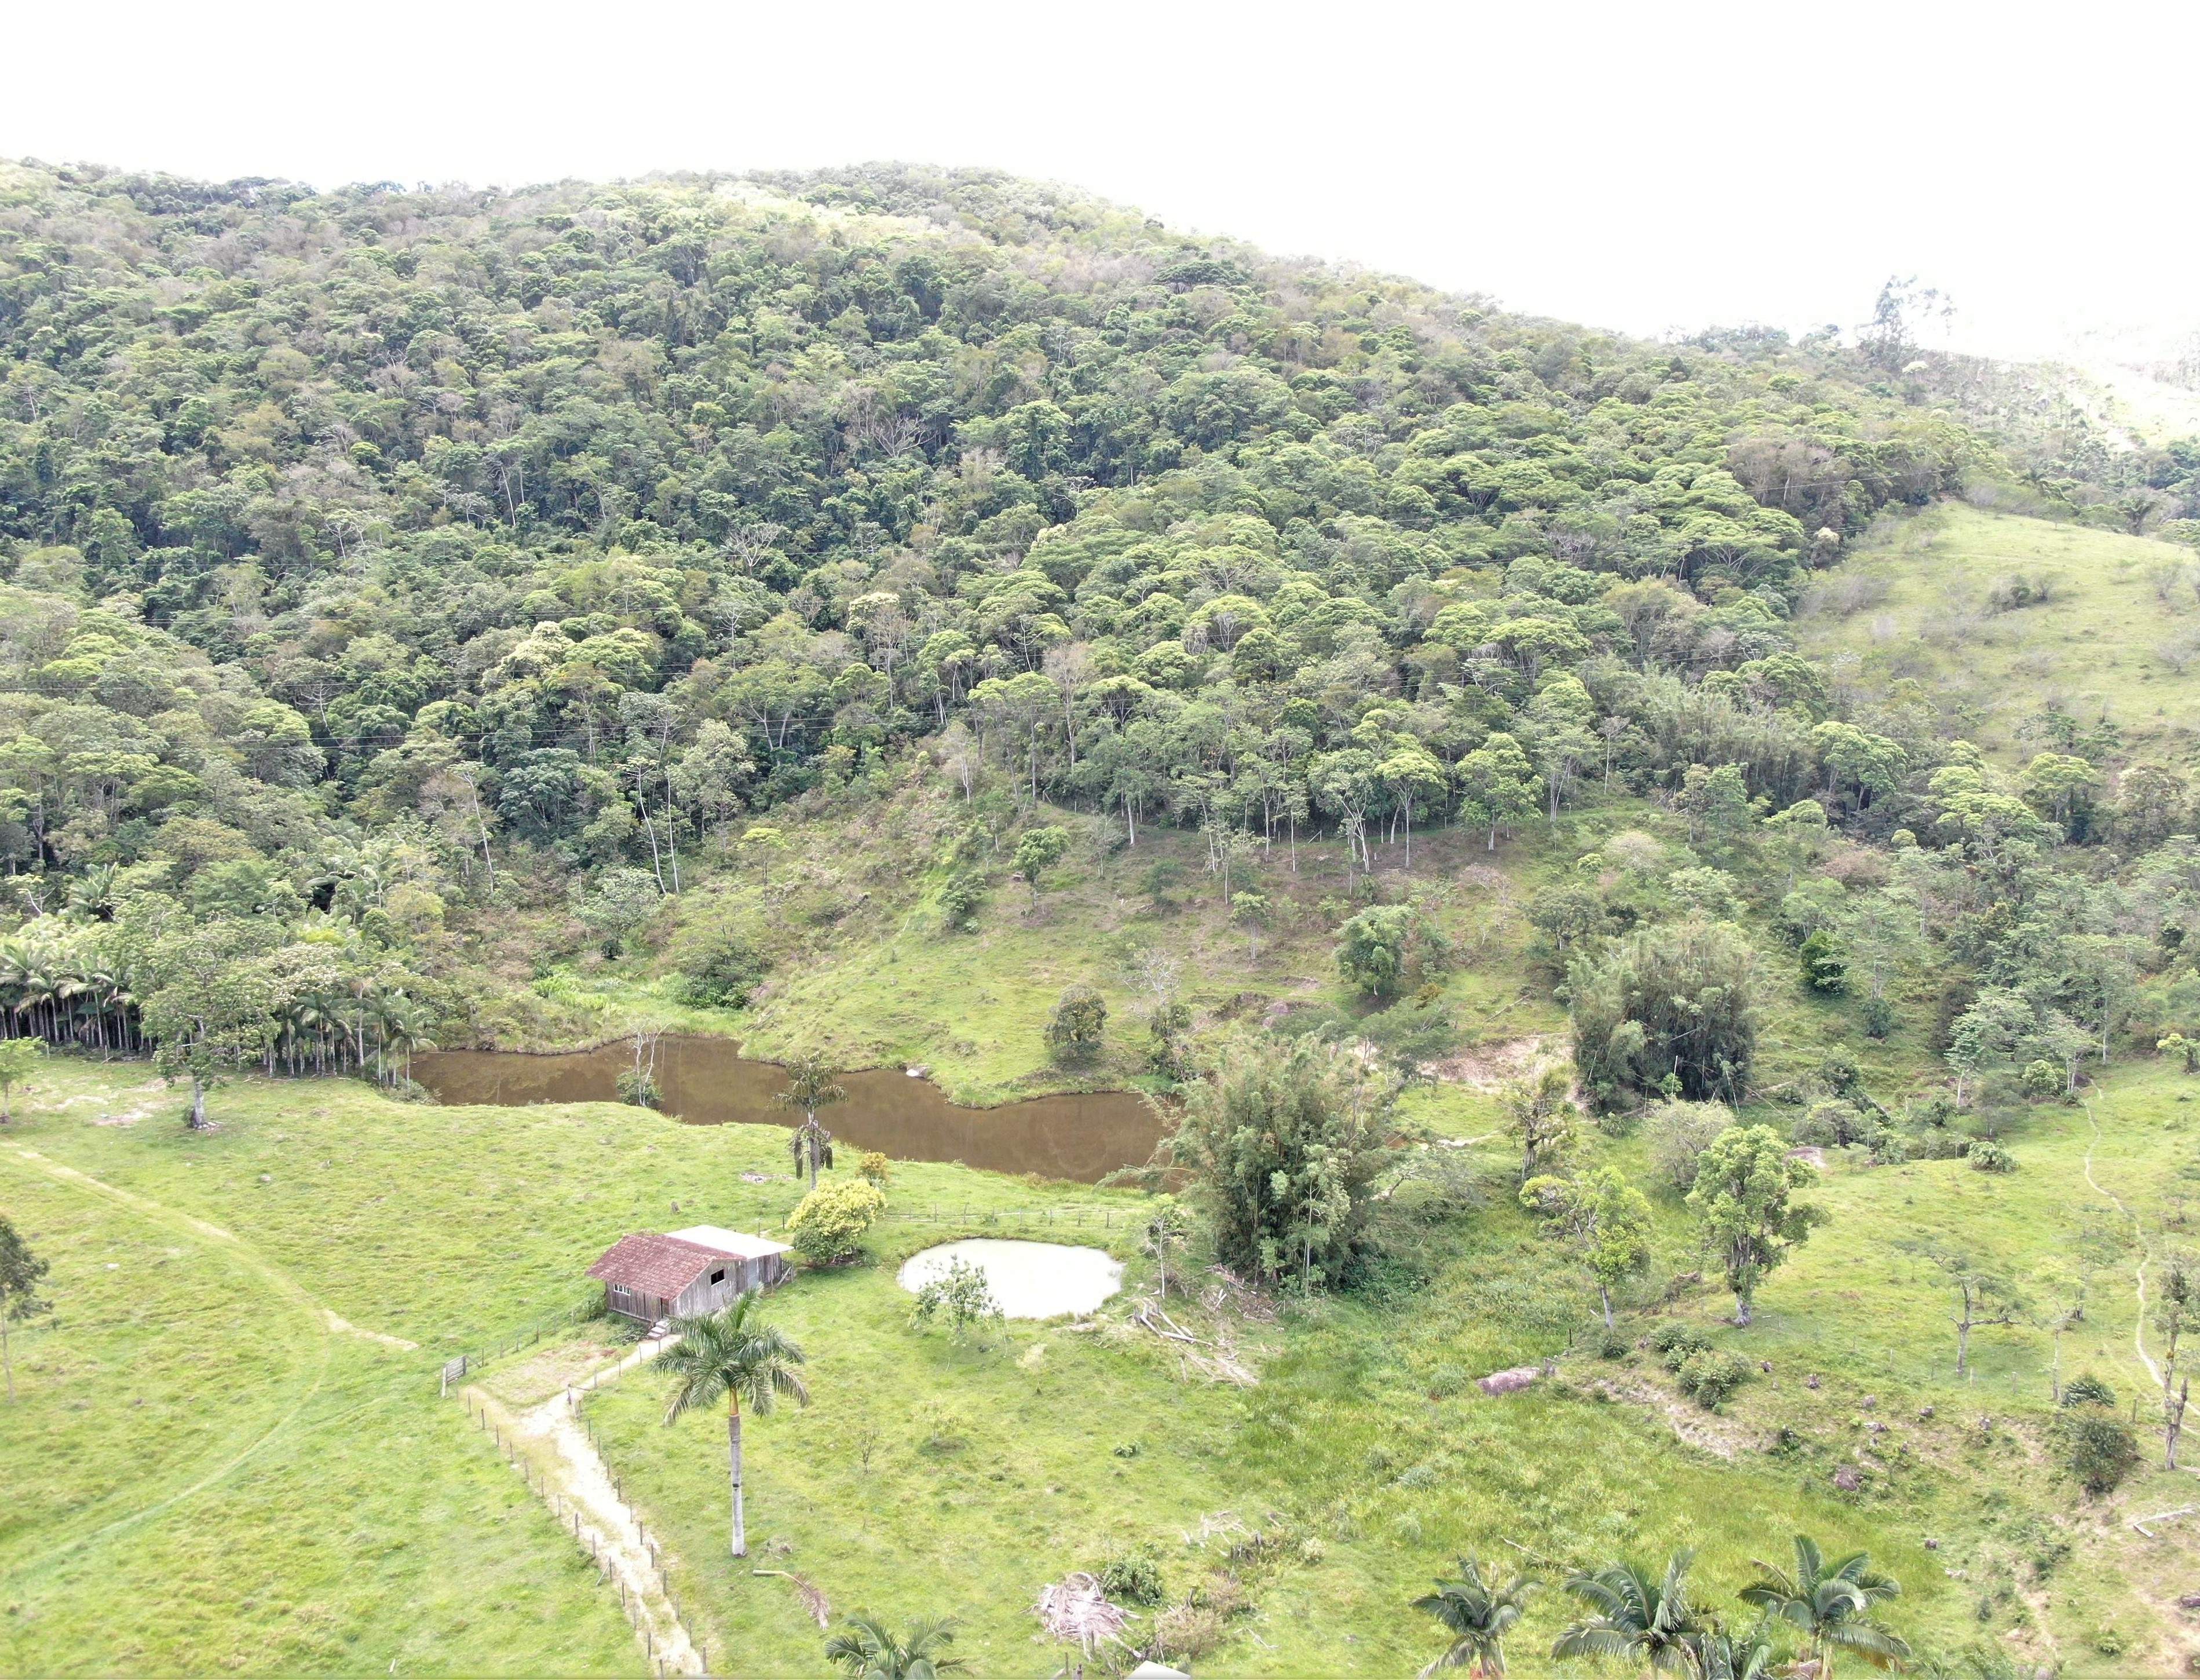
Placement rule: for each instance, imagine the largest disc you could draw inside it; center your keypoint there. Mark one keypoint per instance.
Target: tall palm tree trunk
(733, 1458)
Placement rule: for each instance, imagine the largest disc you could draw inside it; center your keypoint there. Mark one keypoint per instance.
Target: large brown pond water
(706, 1081)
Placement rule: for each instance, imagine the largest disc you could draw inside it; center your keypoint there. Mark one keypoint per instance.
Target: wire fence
(454, 1369)
(588, 1536)
(1094, 1219)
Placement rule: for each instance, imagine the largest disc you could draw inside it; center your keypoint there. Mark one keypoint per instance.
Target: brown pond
(705, 1081)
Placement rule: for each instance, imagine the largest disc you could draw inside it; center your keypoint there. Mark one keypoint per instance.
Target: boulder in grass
(1511, 1381)
(1848, 1479)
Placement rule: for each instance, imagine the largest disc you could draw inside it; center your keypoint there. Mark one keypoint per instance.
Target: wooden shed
(647, 1277)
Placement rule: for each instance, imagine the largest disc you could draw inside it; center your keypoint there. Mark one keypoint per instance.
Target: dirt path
(2139, 1329)
(568, 1476)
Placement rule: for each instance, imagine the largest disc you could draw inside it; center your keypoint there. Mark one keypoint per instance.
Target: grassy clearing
(1913, 608)
(203, 1473)
(285, 1487)
(845, 904)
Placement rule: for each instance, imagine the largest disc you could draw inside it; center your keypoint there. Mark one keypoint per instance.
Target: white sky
(1645, 167)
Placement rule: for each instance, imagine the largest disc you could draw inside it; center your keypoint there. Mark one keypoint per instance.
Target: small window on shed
(718, 1276)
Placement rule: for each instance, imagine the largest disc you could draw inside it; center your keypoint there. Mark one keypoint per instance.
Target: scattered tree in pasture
(1744, 1196)
(19, 1058)
(1539, 1111)
(811, 1086)
(1077, 1025)
(20, 1272)
(962, 1296)
(2176, 1310)
(1037, 852)
(1281, 1144)
(1982, 1296)
(1636, 1617)
(734, 1352)
(1602, 1219)
(210, 1011)
(1167, 1228)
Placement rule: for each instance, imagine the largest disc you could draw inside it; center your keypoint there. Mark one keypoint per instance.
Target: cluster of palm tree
(337, 1006)
(1811, 1613)
(56, 983)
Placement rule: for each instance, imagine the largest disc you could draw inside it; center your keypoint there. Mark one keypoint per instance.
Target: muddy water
(705, 1081)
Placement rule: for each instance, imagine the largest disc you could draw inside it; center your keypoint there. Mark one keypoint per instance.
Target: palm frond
(1591, 1641)
(1869, 1640)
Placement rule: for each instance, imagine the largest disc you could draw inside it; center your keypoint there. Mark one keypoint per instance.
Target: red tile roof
(657, 1265)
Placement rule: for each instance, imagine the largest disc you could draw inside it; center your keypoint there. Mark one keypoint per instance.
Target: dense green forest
(379, 555)
(839, 609)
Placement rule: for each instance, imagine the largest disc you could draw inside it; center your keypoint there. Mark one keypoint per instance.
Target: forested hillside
(380, 554)
(1526, 799)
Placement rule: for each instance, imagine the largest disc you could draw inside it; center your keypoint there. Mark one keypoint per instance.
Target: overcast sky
(1647, 167)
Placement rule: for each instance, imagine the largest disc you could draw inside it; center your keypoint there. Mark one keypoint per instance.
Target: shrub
(1187, 1632)
(639, 1086)
(1940, 1144)
(959, 898)
(1677, 1341)
(828, 1227)
(1165, 1028)
(872, 1168)
(1074, 1030)
(1710, 1376)
(723, 976)
(1988, 1155)
(2099, 1447)
(2040, 1079)
(960, 1295)
(1379, 948)
(1679, 1134)
(1829, 1125)
(1131, 1575)
(941, 1427)
(1879, 1017)
(1825, 966)
(1673, 1003)
(2086, 1390)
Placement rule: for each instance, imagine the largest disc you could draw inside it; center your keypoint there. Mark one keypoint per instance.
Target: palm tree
(728, 1352)
(1479, 1615)
(1640, 1618)
(1720, 1655)
(402, 1026)
(868, 1650)
(810, 1087)
(1830, 1605)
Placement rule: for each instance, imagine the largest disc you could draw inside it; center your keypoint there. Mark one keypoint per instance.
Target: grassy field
(1914, 604)
(237, 1483)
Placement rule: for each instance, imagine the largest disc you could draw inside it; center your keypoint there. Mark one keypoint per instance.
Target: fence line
(584, 1533)
(454, 1369)
(1065, 1218)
